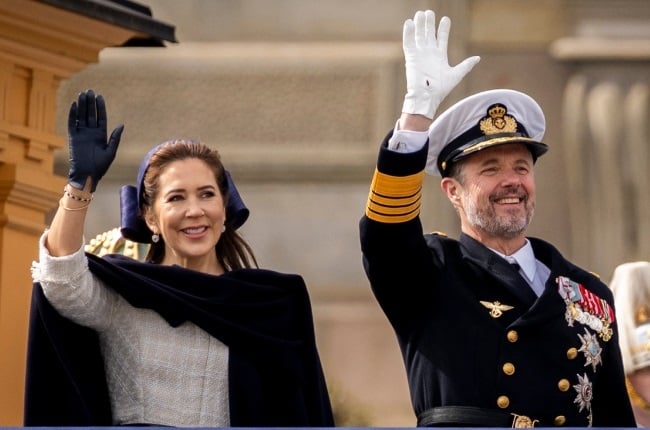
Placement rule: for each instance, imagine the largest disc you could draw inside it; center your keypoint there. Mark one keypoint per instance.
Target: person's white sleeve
(71, 288)
(58, 270)
(407, 140)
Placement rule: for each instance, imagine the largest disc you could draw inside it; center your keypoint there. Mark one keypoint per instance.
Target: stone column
(605, 122)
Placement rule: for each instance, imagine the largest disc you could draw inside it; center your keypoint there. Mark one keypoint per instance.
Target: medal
(591, 349)
(585, 307)
(585, 393)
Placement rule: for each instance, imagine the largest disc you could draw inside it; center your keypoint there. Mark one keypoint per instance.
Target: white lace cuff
(60, 270)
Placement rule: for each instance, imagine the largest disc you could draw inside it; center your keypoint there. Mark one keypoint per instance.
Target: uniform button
(508, 368)
(571, 353)
(559, 420)
(563, 384)
(513, 336)
(503, 402)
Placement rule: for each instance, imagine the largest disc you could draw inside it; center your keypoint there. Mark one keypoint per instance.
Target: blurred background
(297, 95)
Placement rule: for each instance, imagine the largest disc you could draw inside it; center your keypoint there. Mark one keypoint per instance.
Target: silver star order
(591, 349)
(585, 394)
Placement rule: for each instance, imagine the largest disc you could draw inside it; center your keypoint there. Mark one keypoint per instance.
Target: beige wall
(297, 94)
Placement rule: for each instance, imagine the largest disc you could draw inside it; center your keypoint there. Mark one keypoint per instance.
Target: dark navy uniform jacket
(531, 360)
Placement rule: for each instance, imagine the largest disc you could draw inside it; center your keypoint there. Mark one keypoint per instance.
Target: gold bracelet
(80, 208)
(67, 193)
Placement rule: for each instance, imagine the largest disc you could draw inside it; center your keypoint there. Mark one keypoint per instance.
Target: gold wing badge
(496, 308)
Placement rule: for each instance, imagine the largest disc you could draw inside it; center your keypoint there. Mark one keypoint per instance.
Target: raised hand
(429, 78)
(91, 153)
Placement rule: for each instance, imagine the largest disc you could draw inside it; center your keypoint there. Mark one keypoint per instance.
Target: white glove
(429, 78)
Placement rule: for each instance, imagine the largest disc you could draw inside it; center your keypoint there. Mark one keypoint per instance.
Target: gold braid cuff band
(394, 199)
(69, 194)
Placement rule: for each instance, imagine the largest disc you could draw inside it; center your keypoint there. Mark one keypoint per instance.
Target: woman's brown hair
(232, 250)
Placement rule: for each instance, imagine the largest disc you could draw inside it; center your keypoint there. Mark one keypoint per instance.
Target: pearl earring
(223, 228)
(155, 238)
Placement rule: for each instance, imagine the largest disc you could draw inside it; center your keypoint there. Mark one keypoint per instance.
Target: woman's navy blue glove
(90, 153)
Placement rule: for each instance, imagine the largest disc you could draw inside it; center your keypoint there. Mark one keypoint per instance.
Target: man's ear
(451, 187)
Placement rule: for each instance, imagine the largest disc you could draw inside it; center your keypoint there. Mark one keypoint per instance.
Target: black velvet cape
(275, 374)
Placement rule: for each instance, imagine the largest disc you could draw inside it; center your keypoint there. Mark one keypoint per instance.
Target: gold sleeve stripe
(392, 219)
(394, 199)
(396, 186)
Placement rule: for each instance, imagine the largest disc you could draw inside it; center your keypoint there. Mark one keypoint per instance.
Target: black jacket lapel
(498, 268)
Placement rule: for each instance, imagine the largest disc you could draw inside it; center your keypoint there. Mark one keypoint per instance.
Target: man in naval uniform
(496, 329)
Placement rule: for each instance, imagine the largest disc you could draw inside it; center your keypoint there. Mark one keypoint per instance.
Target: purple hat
(133, 226)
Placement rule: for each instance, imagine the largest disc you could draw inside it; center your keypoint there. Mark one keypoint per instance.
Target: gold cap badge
(498, 121)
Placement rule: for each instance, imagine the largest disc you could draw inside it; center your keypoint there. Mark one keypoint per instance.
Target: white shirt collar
(525, 257)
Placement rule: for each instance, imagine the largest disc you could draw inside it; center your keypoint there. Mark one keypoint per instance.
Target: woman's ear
(149, 219)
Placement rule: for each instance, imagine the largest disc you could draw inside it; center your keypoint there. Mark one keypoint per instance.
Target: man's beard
(509, 226)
